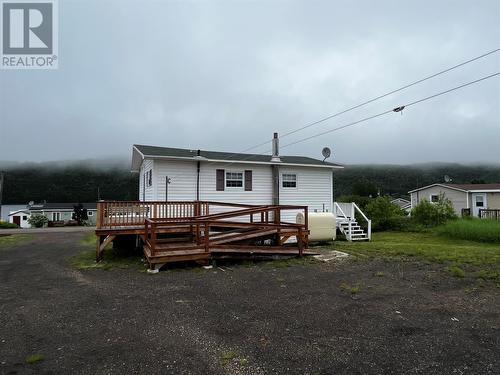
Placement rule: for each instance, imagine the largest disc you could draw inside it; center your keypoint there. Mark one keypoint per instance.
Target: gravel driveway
(350, 317)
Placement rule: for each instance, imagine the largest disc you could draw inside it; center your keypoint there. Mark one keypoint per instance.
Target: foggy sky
(223, 75)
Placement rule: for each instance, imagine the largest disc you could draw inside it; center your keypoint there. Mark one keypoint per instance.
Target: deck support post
(102, 242)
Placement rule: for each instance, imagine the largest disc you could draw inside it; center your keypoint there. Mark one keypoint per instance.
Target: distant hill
(79, 181)
(397, 180)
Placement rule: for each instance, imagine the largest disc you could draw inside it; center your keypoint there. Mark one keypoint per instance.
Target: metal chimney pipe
(276, 152)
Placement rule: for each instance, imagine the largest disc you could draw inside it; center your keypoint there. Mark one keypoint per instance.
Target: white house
(20, 218)
(60, 213)
(472, 198)
(174, 174)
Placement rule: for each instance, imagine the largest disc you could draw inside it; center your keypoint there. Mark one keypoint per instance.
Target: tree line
(77, 183)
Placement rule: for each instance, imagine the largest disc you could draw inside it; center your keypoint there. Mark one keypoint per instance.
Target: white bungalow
(174, 174)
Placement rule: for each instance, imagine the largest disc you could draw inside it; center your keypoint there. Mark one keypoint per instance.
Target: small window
(25, 218)
(56, 216)
(479, 201)
(149, 178)
(434, 198)
(289, 180)
(234, 179)
(90, 213)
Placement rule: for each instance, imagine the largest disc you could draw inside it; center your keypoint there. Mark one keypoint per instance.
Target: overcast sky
(223, 75)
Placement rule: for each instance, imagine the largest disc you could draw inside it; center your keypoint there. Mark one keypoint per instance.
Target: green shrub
(479, 230)
(38, 220)
(384, 214)
(6, 225)
(433, 214)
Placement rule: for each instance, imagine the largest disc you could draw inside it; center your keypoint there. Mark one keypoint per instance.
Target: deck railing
(491, 214)
(116, 214)
(215, 229)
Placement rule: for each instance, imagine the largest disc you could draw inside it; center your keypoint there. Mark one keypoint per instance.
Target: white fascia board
(485, 191)
(240, 161)
(444, 186)
(135, 149)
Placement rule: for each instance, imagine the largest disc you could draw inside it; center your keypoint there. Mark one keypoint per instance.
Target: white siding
(314, 185)
(149, 195)
(314, 189)
(458, 198)
(182, 175)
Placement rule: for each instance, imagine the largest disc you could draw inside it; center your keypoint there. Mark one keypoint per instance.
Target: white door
(478, 203)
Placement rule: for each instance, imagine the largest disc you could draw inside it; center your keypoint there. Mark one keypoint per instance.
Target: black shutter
(220, 180)
(248, 180)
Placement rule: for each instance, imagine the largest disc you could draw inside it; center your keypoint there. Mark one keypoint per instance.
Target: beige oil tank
(321, 225)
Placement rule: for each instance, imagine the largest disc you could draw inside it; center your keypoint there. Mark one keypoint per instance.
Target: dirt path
(303, 319)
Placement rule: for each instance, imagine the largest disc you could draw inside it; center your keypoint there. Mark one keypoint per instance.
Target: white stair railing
(368, 221)
(347, 211)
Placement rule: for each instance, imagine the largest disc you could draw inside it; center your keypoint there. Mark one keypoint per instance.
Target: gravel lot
(350, 317)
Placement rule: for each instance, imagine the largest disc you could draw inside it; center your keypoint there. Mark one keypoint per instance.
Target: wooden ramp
(190, 232)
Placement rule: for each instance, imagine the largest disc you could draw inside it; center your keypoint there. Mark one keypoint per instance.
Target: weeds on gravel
(351, 289)
(34, 358)
(456, 271)
(227, 357)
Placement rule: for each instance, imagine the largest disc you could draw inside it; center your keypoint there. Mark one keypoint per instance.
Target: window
(25, 218)
(479, 201)
(434, 198)
(234, 179)
(56, 216)
(90, 213)
(149, 178)
(289, 180)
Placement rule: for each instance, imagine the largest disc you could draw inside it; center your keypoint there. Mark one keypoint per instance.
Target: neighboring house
(55, 212)
(404, 204)
(20, 218)
(473, 197)
(174, 174)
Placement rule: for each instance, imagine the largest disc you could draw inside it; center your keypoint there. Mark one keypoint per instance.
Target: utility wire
(378, 97)
(397, 109)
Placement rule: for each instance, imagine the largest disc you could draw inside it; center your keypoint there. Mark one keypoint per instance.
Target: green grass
(7, 225)
(472, 230)
(34, 358)
(112, 258)
(481, 260)
(14, 239)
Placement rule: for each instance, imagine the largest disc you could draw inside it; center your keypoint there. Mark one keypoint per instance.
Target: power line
(378, 97)
(397, 109)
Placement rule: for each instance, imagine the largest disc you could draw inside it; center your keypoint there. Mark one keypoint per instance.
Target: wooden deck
(200, 230)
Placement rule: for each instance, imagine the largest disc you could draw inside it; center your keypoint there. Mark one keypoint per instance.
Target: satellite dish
(326, 152)
(447, 178)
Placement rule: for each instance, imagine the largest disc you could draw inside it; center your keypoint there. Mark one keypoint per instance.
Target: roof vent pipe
(276, 152)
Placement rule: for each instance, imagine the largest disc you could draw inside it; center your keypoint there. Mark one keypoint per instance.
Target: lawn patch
(472, 256)
(112, 258)
(13, 239)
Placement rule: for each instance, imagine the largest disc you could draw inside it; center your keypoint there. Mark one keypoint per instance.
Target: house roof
(465, 187)
(61, 206)
(25, 211)
(141, 152)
